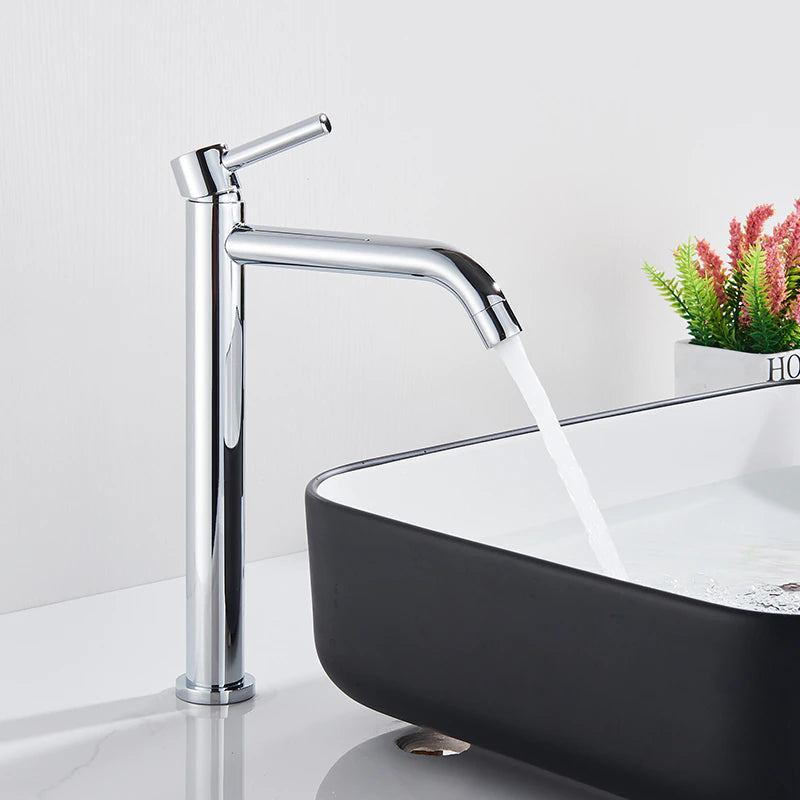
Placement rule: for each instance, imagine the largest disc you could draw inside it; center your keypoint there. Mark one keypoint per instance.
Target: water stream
(513, 356)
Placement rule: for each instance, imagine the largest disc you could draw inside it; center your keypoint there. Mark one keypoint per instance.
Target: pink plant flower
(711, 266)
(792, 248)
(735, 249)
(754, 226)
(780, 231)
(775, 277)
(794, 309)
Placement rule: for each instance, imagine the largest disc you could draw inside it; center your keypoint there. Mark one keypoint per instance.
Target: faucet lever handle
(277, 142)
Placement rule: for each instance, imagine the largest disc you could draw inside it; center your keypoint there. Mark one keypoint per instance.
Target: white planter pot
(701, 369)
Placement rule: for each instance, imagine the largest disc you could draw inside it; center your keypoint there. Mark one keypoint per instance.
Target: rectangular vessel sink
(452, 588)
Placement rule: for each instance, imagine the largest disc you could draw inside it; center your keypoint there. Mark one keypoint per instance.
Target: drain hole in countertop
(431, 743)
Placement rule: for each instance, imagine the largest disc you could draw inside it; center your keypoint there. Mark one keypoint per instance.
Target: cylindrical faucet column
(214, 457)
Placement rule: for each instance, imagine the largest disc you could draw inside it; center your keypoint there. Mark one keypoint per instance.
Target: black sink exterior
(643, 693)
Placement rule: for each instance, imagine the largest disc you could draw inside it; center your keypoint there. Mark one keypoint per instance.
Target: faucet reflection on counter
(215, 751)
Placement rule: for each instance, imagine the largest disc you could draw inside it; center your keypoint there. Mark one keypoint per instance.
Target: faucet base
(215, 695)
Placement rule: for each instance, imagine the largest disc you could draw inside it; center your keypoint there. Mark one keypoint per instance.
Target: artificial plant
(752, 303)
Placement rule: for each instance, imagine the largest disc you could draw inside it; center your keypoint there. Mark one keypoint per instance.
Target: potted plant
(743, 316)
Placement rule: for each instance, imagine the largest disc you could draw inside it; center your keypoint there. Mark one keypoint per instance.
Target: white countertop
(89, 712)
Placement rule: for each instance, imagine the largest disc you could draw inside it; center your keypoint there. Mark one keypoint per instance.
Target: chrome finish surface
(201, 174)
(218, 247)
(214, 448)
(215, 695)
(210, 171)
(383, 255)
(274, 143)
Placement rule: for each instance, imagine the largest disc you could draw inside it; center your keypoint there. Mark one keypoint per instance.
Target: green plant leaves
(765, 333)
(668, 288)
(740, 318)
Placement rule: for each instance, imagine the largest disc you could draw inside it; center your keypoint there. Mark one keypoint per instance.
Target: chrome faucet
(218, 248)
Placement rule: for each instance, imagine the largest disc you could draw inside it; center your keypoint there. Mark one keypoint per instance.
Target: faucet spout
(477, 291)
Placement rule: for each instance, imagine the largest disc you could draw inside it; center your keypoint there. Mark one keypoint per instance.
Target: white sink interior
(701, 497)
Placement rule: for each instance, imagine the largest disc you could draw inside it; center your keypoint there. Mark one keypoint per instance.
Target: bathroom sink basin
(453, 588)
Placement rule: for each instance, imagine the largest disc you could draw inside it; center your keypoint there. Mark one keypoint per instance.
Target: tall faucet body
(218, 248)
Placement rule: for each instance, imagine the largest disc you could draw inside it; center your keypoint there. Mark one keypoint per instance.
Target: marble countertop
(88, 711)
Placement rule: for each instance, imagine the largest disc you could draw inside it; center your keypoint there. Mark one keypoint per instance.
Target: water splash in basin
(513, 356)
(731, 542)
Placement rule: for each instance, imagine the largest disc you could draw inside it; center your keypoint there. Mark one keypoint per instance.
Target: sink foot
(431, 743)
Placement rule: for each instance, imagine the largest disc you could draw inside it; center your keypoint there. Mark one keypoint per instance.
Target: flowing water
(513, 355)
(730, 542)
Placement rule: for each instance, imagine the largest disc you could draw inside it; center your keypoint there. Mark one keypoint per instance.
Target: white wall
(558, 143)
